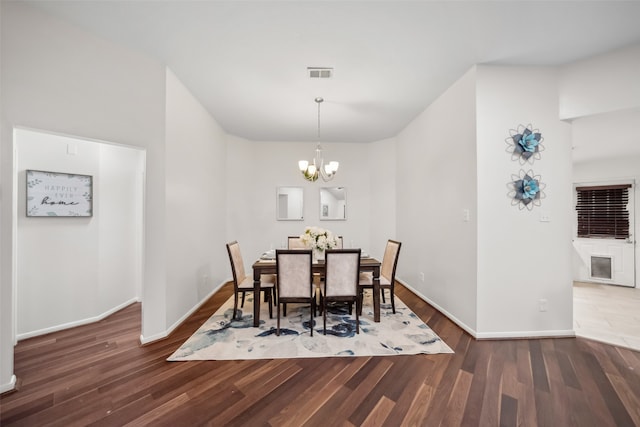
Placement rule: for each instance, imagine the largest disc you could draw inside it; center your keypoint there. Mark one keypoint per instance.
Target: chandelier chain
(319, 100)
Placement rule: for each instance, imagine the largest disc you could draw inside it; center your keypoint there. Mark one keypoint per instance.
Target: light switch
(466, 215)
(545, 217)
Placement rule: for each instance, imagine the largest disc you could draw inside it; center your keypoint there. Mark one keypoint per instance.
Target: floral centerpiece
(318, 239)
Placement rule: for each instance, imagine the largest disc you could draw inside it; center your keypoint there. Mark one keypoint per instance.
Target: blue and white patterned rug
(221, 338)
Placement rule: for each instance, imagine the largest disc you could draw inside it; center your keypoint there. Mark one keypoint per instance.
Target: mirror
(333, 203)
(290, 204)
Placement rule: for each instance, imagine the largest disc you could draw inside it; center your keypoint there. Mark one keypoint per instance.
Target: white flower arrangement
(318, 239)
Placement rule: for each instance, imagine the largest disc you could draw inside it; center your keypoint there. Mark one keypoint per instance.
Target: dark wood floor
(99, 375)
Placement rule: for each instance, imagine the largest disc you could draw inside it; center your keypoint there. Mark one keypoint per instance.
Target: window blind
(603, 211)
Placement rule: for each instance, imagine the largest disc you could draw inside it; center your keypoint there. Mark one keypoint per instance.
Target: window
(603, 211)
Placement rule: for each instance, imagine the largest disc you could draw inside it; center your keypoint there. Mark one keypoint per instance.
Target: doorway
(604, 237)
(74, 270)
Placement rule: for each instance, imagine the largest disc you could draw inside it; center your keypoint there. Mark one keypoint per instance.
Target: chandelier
(311, 171)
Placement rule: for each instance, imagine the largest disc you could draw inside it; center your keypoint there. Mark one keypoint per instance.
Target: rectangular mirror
(333, 203)
(290, 204)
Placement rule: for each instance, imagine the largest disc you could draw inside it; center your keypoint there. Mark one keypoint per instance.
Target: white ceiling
(246, 61)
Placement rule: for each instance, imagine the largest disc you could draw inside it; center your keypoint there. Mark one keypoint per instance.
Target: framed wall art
(55, 194)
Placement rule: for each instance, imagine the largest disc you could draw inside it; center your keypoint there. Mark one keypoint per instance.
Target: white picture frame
(56, 194)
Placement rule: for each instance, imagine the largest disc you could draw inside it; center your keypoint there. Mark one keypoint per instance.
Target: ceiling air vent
(320, 72)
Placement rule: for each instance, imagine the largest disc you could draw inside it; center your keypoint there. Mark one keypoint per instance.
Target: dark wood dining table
(268, 266)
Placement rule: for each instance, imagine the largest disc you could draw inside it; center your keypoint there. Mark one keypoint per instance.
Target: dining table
(268, 266)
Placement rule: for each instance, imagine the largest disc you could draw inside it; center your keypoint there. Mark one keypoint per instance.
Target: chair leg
(360, 300)
(313, 309)
(235, 306)
(284, 309)
(382, 292)
(324, 317)
(269, 298)
(321, 306)
(393, 301)
(242, 305)
(357, 319)
(278, 323)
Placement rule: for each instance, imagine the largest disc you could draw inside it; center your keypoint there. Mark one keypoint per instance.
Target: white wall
(487, 274)
(76, 270)
(256, 169)
(59, 78)
(521, 259)
(195, 194)
(121, 224)
(383, 191)
(436, 182)
(606, 135)
(600, 84)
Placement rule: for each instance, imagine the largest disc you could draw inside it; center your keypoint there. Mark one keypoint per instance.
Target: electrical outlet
(542, 304)
(422, 277)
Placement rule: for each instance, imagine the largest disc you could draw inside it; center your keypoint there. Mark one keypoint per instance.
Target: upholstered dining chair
(295, 281)
(342, 271)
(243, 283)
(295, 242)
(387, 274)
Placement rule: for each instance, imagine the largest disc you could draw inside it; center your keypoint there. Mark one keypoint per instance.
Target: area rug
(221, 338)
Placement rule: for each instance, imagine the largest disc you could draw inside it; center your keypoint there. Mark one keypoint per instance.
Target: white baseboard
(77, 322)
(450, 316)
(146, 340)
(11, 385)
(569, 333)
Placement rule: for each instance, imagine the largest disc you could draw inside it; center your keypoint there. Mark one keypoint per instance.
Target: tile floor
(607, 313)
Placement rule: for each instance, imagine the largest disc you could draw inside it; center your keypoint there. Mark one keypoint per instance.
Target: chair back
(295, 242)
(237, 264)
(390, 260)
(295, 279)
(342, 270)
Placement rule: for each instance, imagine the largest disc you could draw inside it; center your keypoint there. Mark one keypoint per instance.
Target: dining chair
(295, 281)
(341, 278)
(387, 274)
(243, 283)
(295, 242)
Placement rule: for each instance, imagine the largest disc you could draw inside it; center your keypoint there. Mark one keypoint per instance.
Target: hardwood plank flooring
(100, 375)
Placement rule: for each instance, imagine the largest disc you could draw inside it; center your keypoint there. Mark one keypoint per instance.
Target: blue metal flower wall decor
(524, 144)
(526, 190)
